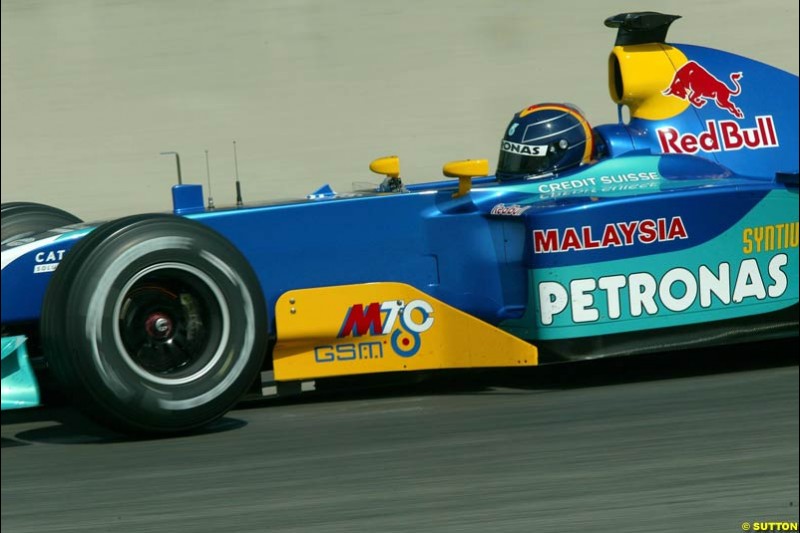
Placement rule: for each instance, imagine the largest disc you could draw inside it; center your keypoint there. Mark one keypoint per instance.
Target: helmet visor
(517, 165)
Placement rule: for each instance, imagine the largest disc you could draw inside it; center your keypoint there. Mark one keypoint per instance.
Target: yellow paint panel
(383, 327)
(645, 71)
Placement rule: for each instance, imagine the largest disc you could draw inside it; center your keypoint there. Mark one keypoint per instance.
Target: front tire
(155, 324)
(23, 219)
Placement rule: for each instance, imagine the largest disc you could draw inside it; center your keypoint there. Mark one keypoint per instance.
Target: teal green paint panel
(749, 269)
(19, 386)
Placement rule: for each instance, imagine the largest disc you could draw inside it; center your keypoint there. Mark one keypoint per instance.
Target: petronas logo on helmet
(524, 149)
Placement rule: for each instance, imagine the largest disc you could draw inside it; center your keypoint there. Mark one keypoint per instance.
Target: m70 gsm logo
(403, 322)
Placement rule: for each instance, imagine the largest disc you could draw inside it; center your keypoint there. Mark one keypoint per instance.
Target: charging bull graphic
(694, 83)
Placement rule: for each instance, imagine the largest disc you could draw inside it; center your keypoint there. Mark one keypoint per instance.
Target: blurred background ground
(311, 91)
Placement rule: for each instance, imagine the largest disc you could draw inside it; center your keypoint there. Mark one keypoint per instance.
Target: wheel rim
(171, 323)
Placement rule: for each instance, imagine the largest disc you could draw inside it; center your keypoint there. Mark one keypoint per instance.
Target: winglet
(641, 27)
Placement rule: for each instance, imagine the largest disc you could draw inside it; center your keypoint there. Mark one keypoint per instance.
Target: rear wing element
(640, 27)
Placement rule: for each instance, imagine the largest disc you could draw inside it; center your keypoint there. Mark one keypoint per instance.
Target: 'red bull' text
(719, 136)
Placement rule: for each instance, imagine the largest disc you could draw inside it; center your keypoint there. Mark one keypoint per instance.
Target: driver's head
(544, 138)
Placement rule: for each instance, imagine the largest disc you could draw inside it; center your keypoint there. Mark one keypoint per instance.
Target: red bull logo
(720, 136)
(694, 83)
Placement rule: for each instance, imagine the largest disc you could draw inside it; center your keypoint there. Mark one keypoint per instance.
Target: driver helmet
(544, 139)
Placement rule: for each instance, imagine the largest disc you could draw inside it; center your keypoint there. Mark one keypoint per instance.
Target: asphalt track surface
(692, 441)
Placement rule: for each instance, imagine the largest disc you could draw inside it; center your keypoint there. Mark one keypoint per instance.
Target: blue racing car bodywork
(683, 232)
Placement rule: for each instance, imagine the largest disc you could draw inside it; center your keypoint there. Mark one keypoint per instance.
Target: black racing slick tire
(154, 324)
(24, 219)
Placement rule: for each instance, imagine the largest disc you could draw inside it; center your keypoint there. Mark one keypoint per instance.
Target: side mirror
(388, 166)
(465, 170)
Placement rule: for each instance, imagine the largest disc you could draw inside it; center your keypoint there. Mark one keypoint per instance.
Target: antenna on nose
(208, 176)
(238, 184)
(178, 163)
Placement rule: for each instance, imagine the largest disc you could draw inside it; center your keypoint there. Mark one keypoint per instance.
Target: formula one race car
(678, 228)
